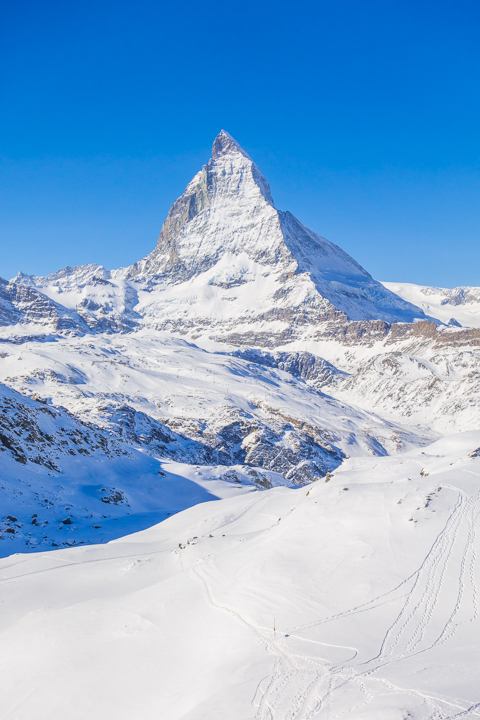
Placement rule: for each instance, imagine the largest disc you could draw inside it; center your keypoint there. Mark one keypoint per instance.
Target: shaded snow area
(66, 483)
(355, 598)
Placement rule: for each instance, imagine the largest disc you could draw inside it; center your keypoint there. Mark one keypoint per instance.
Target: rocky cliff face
(225, 231)
(24, 304)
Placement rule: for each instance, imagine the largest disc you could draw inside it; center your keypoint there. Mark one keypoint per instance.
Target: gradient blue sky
(363, 115)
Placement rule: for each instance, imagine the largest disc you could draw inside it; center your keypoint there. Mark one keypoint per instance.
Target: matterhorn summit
(225, 232)
(228, 265)
(226, 210)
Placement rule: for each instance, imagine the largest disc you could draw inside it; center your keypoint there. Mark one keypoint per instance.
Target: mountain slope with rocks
(67, 482)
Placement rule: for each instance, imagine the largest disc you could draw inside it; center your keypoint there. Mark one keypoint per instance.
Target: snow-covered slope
(174, 399)
(438, 388)
(353, 599)
(460, 305)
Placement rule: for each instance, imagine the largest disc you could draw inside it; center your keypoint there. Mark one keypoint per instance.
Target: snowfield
(355, 598)
(461, 304)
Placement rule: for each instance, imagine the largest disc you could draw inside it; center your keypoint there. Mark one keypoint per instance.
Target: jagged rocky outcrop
(32, 431)
(314, 370)
(93, 302)
(297, 450)
(25, 305)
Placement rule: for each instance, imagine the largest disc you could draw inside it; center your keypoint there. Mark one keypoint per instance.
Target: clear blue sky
(363, 115)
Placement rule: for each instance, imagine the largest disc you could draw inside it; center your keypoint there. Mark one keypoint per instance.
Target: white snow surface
(460, 303)
(170, 379)
(356, 598)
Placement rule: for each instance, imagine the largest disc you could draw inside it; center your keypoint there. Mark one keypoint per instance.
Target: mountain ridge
(224, 231)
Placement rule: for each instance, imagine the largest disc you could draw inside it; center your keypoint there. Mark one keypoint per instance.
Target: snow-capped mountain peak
(226, 218)
(227, 207)
(225, 259)
(225, 144)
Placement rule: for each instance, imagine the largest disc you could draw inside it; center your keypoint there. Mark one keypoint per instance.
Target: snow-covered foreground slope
(356, 598)
(461, 304)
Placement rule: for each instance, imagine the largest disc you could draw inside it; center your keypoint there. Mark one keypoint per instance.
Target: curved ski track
(301, 688)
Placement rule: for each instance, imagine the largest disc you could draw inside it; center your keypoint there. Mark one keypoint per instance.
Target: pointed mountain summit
(226, 208)
(225, 231)
(225, 143)
(229, 265)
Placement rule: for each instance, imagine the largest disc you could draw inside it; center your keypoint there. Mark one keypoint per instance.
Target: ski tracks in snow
(294, 680)
(415, 629)
(442, 597)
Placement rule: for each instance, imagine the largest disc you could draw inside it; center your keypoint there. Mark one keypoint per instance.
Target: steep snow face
(354, 599)
(340, 279)
(457, 306)
(226, 220)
